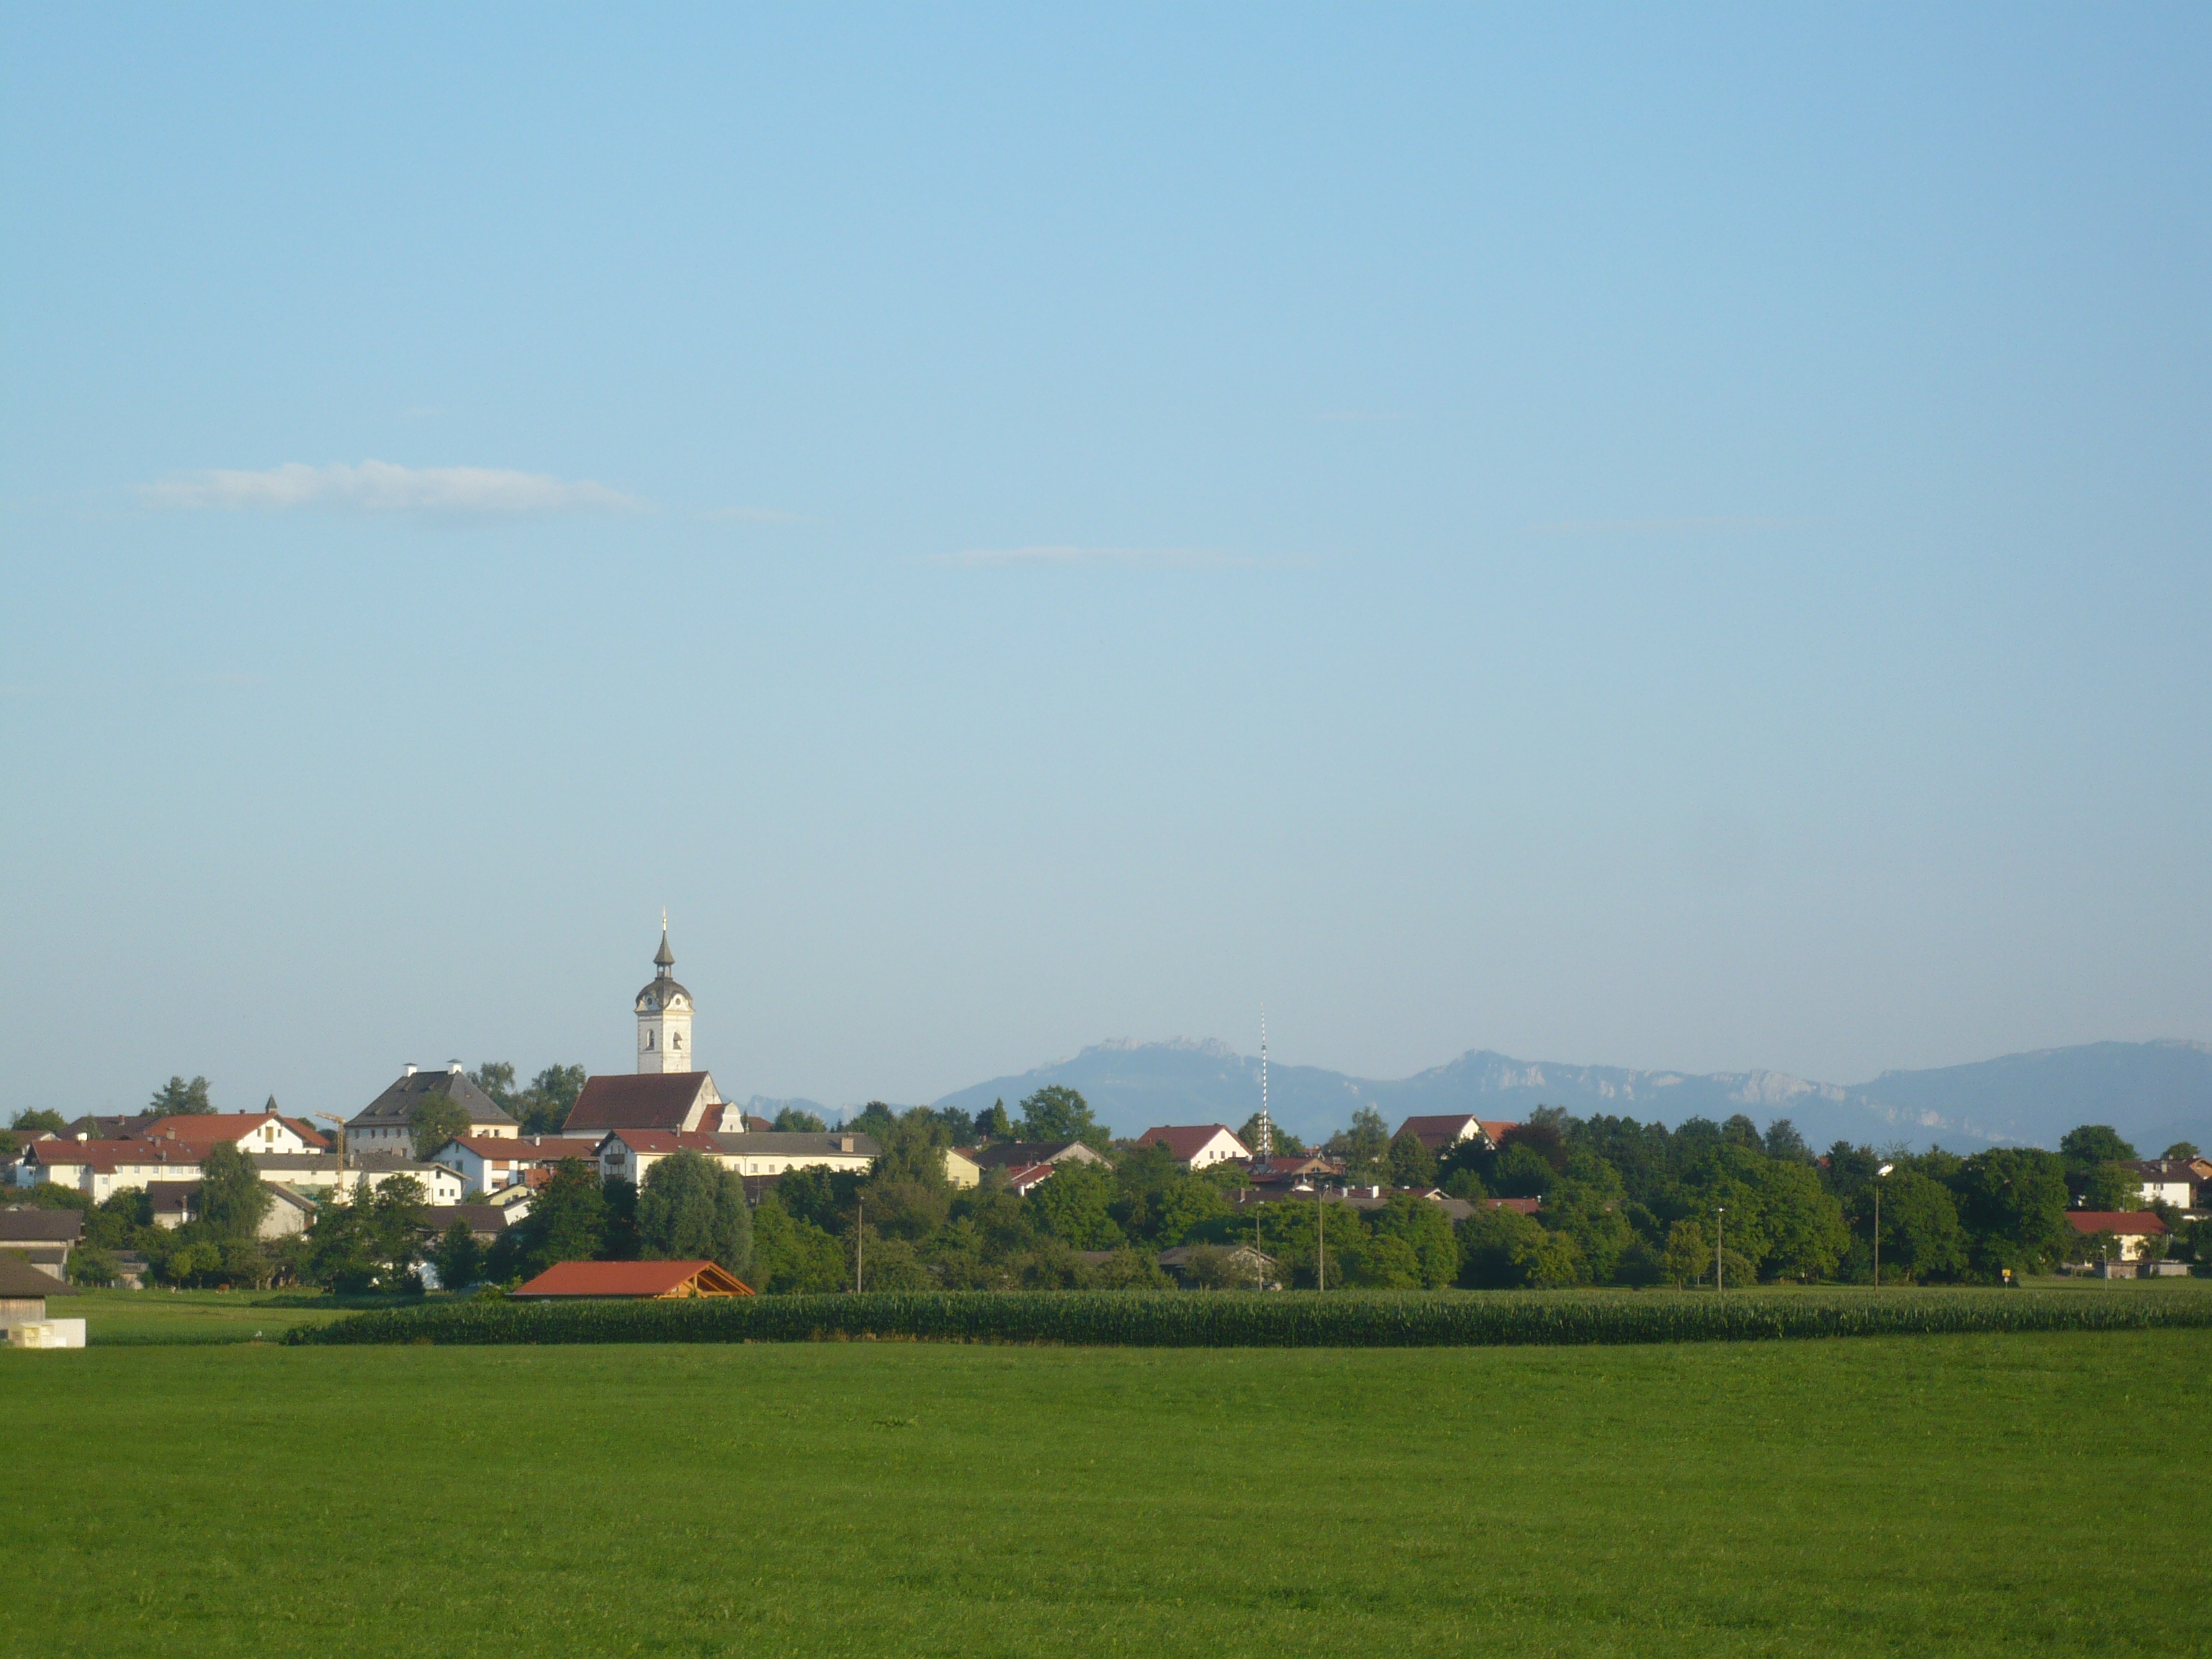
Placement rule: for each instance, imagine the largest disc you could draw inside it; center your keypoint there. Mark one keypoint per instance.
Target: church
(664, 1092)
(665, 1107)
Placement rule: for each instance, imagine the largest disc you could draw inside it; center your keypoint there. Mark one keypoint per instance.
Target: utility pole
(1321, 1241)
(1879, 1175)
(1720, 1236)
(860, 1240)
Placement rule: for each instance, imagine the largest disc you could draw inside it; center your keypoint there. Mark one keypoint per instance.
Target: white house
(2131, 1228)
(263, 1132)
(1440, 1134)
(629, 1154)
(100, 1168)
(2166, 1181)
(1197, 1146)
(367, 1171)
(386, 1124)
(486, 1164)
(176, 1202)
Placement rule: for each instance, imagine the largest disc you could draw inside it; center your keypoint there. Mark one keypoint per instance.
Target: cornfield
(1291, 1319)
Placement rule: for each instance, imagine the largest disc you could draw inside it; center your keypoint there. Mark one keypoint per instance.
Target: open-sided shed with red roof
(634, 1280)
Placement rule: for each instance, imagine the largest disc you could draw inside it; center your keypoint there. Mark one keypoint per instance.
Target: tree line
(1620, 1203)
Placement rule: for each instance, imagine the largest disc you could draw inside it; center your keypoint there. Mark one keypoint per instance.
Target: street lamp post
(1879, 1175)
(1720, 1236)
(860, 1242)
(1321, 1241)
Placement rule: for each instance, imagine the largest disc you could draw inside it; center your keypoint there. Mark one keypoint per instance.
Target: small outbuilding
(633, 1281)
(42, 1237)
(23, 1293)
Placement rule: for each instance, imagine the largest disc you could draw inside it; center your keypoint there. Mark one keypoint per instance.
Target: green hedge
(1288, 1319)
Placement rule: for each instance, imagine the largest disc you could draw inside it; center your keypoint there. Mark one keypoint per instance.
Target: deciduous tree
(1056, 1113)
(1409, 1162)
(233, 1198)
(690, 1208)
(436, 1119)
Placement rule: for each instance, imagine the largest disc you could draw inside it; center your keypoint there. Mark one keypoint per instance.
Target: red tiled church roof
(645, 1100)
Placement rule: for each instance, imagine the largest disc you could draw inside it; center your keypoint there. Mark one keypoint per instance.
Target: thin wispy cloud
(1181, 558)
(380, 487)
(1659, 526)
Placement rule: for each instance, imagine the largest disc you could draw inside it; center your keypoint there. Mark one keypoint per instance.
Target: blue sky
(1618, 536)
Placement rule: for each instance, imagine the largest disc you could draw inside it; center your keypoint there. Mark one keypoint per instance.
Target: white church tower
(664, 1016)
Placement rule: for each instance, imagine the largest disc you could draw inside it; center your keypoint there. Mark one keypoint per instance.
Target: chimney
(453, 1068)
(410, 1072)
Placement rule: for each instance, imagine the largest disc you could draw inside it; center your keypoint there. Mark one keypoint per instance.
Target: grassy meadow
(1974, 1494)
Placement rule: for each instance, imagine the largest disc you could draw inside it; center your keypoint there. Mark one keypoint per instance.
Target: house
(1440, 1134)
(1357, 1198)
(1245, 1265)
(486, 1164)
(386, 1124)
(1521, 1205)
(485, 1222)
(176, 1202)
(265, 1131)
(513, 1202)
(1022, 1178)
(1378, 1198)
(2133, 1229)
(309, 1172)
(1196, 1146)
(961, 1169)
(128, 1125)
(632, 1281)
(42, 1237)
(2166, 1181)
(1021, 1154)
(101, 1168)
(23, 1293)
(629, 1154)
(366, 1172)
(1287, 1168)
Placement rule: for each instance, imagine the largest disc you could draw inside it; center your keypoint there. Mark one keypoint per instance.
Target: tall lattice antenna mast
(1267, 1147)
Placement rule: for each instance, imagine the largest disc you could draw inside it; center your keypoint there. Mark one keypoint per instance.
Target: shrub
(1280, 1319)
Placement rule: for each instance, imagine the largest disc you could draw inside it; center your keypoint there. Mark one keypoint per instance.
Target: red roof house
(633, 1281)
(250, 1132)
(1440, 1133)
(1197, 1144)
(2131, 1227)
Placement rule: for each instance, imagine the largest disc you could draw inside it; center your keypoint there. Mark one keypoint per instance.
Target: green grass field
(1986, 1494)
(165, 1316)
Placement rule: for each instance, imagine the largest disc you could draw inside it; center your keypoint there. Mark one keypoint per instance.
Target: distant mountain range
(2154, 1093)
